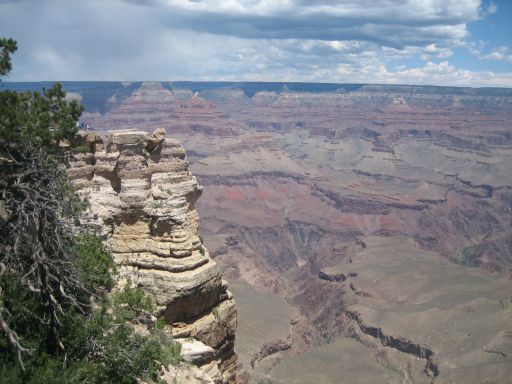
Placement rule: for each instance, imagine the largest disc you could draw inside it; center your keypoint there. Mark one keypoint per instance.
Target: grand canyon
(364, 230)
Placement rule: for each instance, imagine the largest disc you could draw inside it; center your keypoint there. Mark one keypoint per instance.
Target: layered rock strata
(141, 196)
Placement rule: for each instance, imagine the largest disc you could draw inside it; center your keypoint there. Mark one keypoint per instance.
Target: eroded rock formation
(141, 195)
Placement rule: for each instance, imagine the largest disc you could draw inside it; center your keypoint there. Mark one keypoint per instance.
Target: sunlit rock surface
(141, 196)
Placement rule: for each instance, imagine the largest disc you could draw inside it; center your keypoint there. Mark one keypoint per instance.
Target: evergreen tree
(49, 276)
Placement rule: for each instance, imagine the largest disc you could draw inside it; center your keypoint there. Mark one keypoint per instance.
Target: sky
(437, 42)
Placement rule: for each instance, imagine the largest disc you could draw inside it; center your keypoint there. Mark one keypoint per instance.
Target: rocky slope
(301, 179)
(141, 196)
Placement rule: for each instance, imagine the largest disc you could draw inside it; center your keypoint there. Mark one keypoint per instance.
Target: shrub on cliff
(56, 326)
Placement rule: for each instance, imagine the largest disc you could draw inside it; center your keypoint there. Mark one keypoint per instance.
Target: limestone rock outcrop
(141, 196)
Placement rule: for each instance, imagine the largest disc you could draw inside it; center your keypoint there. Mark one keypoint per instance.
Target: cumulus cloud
(479, 50)
(431, 51)
(444, 73)
(497, 54)
(257, 40)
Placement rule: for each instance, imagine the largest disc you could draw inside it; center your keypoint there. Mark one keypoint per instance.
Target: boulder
(193, 351)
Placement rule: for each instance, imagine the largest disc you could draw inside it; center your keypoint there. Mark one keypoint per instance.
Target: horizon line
(255, 82)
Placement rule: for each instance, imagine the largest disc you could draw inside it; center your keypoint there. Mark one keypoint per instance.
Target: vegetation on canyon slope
(57, 323)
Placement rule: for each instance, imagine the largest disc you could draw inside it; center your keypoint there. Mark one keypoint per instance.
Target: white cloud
(477, 49)
(438, 74)
(497, 54)
(268, 40)
(431, 51)
(491, 9)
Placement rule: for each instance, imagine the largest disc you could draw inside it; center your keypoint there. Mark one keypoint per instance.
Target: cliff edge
(141, 197)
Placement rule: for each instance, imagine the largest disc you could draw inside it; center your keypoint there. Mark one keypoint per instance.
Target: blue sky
(443, 42)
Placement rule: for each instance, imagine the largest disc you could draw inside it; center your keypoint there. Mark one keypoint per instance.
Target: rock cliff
(141, 196)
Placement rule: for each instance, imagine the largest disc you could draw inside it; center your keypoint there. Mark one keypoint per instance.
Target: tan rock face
(141, 195)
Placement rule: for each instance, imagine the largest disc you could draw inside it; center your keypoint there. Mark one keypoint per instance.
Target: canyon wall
(141, 196)
(367, 220)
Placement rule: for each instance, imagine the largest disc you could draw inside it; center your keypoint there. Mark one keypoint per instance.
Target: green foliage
(82, 149)
(8, 47)
(29, 119)
(173, 352)
(101, 350)
(39, 118)
(50, 329)
(96, 264)
(38, 208)
(465, 257)
(130, 303)
(160, 323)
(128, 355)
(100, 347)
(37, 241)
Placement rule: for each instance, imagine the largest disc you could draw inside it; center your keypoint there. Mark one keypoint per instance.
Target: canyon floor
(365, 230)
(414, 314)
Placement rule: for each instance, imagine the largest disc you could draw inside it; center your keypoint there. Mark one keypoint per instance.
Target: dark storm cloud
(391, 23)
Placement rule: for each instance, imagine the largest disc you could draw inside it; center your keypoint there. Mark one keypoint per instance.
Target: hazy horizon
(283, 83)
